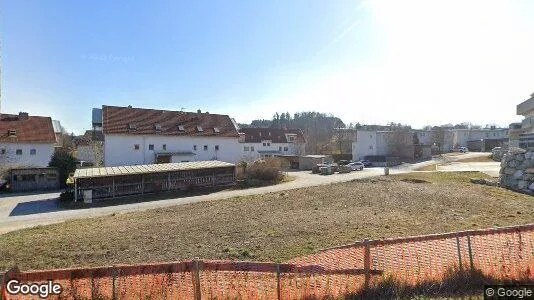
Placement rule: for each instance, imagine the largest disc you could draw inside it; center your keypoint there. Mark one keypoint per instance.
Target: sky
(373, 62)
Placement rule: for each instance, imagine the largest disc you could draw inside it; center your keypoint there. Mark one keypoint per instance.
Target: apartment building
(135, 136)
(257, 143)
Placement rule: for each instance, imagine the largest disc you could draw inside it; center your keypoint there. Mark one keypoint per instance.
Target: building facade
(26, 141)
(523, 136)
(136, 136)
(257, 143)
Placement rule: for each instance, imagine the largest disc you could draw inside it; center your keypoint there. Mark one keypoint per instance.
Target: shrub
(269, 169)
(65, 163)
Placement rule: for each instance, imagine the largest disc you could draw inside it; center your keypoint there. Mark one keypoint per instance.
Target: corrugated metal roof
(143, 169)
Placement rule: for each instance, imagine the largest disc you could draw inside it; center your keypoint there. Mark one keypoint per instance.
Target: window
(251, 148)
(216, 130)
(268, 144)
(291, 138)
(371, 136)
(2, 151)
(246, 148)
(164, 147)
(286, 149)
(216, 147)
(199, 128)
(195, 147)
(12, 132)
(157, 127)
(264, 144)
(181, 128)
(151, 147)
(33, 151)
(205, 147)
(136, 147)
(132, 126)
(184, 161)
(19, 152)
(370, 147)
(280, 148)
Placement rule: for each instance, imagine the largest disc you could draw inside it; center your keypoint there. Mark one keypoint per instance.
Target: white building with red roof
(26, 141)
(259, 143)
(138, 136)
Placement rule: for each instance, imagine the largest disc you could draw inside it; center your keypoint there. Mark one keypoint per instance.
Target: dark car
(343, 162)
(366, 163)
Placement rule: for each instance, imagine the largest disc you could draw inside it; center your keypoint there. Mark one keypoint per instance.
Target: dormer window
(181, 128)
(132, 126)
(199, 128)
(157, 127)
(216, 130)
(12, 132)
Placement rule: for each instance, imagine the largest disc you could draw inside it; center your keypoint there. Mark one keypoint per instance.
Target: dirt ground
(486, 158)
(272, 227)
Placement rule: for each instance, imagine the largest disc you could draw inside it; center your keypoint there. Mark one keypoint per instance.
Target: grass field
(273, 227)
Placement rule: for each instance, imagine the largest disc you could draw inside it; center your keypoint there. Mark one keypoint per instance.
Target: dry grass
(274, 227)
(485, 158)
(432, 167)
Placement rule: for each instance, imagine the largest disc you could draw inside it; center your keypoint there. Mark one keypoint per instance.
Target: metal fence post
(196, 279)
(459, 251)
(367, 264)
(471, 264)
(278, 290)
(114, 275)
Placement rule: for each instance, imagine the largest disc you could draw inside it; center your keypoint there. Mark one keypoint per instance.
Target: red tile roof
(116, 120)
(256, 135)
(32, 129)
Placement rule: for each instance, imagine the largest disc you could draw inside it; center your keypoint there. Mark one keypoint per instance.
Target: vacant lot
(275, 226)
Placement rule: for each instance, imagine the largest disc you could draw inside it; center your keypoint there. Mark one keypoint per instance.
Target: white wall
(365, 144)
(292, 149)
(119, 149)
(85, 153)
(43, 153)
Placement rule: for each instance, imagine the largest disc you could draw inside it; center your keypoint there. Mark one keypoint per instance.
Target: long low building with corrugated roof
(111, 182)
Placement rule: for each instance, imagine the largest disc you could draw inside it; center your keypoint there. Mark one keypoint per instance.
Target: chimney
(23, 116)
(199, 111)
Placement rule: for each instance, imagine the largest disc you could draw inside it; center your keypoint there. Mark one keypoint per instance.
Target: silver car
(356, 166)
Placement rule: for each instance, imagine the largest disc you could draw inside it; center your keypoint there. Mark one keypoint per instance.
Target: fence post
(4, 277)
(278, 290)
(471, 264)
(196, 279)
(459, 251)
(367, 264)
(114, 275)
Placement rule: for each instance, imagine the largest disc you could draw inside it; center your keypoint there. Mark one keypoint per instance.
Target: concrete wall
(43, 153)
(119, 149)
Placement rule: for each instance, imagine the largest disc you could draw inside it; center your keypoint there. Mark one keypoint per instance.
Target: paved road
(21, 211)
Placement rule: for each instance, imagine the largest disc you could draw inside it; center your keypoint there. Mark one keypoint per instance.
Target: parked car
(366, 163)
(356, 166)
(343, 162)
(460, 149)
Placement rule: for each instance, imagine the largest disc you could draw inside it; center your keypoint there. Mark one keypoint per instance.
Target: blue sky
(365, 61)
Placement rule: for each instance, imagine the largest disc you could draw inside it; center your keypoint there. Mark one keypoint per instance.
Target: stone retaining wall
(517, 170)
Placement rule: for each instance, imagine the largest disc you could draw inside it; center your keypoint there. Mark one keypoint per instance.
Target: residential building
(138, 136)
(90, 147)
(26, 141)
(259, 143)
(524, 136)
(483, 139)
